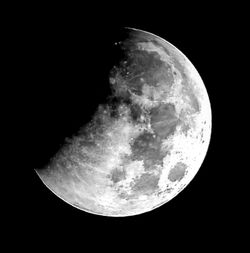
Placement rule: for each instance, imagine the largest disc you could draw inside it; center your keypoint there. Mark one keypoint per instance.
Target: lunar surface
(144, 146)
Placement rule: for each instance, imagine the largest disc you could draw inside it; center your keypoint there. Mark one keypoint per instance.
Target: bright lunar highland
(147, 143)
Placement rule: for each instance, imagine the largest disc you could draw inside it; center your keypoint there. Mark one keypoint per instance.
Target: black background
(65, 59)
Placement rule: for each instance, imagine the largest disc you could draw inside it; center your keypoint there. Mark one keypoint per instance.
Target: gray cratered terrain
(141, 149)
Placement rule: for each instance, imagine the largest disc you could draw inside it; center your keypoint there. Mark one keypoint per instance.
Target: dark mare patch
(178, 172)
(164, 120)
(117, 175)
(140, 67)
(146, 183)
(147, 147)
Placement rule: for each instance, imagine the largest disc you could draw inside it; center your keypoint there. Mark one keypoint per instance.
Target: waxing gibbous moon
(138, 152)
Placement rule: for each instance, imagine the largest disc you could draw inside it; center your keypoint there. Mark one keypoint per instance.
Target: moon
(146, 144)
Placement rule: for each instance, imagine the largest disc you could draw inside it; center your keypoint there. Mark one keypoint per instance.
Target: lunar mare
(148, 148)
